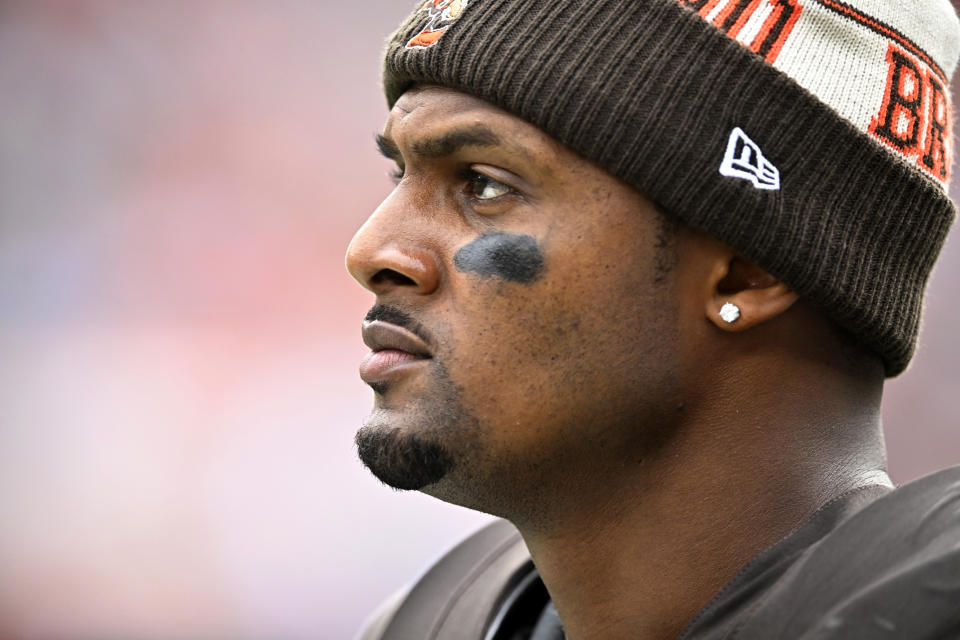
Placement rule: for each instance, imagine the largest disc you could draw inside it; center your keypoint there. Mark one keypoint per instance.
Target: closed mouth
(393, 349)
(381, 336)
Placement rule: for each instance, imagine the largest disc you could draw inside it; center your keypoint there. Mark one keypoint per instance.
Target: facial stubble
(412, 452)
(409, 452)
(413, 456)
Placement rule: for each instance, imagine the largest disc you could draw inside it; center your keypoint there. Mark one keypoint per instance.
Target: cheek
(525, 305)
(519, 346)
(508, 303)
(557, 343)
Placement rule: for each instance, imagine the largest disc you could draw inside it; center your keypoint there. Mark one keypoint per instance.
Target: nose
(387, 255)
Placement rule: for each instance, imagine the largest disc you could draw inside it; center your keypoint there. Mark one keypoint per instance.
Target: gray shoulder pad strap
(459, 596)
(377, 621)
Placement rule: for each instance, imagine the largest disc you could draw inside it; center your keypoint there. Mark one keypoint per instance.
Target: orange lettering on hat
(914, 117)
(781, 17)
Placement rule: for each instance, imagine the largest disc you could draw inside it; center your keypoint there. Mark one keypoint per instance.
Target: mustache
(401, 318)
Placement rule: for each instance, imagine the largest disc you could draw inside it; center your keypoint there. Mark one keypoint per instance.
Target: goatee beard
(403, 461)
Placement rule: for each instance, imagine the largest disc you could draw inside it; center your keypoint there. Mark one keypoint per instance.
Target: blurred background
(180, 340)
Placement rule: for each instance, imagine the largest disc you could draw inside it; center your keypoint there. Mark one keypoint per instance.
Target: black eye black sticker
(509, 256)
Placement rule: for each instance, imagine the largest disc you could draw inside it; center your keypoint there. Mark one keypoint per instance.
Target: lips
(392, 349)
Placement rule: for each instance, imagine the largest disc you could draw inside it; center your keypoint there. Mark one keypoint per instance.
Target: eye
(396, 175)
(484, 187)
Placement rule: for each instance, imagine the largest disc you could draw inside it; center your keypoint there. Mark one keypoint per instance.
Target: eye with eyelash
(475, 179)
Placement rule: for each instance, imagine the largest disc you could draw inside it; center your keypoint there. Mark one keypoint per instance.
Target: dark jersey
(873, 563)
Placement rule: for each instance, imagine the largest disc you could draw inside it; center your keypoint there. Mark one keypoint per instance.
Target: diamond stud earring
(730, 313)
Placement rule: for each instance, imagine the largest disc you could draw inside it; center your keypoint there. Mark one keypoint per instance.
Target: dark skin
(644, 448)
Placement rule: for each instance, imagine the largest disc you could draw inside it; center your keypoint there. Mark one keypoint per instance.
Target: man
(645, 270)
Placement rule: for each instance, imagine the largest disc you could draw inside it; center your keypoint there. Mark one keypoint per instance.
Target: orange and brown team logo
(442, 14)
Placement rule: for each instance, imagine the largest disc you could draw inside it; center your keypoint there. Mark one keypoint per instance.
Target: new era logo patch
(744, 159)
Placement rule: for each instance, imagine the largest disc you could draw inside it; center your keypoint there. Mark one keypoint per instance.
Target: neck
(636, 552)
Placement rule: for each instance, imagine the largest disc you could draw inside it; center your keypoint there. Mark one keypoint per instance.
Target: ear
(757, 295)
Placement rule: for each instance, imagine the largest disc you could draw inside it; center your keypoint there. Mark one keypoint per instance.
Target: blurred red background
(178, 184)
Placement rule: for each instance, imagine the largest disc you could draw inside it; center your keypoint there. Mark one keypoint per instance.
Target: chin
(402, 458)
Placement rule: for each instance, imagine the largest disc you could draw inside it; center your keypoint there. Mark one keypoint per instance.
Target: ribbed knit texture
(650, 91)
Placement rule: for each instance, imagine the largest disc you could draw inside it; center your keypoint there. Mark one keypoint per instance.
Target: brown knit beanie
(812, 136)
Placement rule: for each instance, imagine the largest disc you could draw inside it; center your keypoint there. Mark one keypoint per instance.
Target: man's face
(537, 297)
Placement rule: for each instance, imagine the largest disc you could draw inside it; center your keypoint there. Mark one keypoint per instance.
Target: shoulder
(468, 591)
(892, 570)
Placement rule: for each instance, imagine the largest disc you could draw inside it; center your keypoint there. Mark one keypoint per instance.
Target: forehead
(431, 112)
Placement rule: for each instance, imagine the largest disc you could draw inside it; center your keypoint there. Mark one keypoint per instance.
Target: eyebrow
(388, 149)
(443, 145)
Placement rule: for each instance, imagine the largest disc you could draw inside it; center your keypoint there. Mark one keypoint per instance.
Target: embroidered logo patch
(442, 14)
(744, 159)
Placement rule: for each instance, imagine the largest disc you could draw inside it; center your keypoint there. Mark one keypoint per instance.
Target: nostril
(389, 276)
